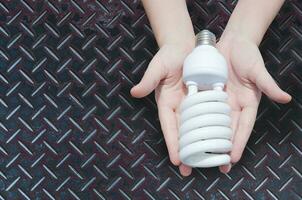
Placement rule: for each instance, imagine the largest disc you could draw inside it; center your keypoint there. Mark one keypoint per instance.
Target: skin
(173, 30)
(248, 76)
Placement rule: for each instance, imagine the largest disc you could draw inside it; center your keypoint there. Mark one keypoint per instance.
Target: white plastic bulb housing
(205, 66)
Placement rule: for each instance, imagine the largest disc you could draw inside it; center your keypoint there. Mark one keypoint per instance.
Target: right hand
(248, 79)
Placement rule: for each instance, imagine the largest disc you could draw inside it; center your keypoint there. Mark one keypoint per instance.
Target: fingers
(225, 168)
(185, 170)
(234, 125)
(268, 86)
(245, 126)
(150, 80)
(168, 123)
(235, 118)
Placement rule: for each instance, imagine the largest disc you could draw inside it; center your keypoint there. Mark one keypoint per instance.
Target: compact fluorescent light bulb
(205, 133)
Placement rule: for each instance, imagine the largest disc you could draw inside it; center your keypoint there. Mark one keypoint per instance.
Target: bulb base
(205, 37)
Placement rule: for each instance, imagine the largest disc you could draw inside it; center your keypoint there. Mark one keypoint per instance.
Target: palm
(165, 75)
(247, 79)
(244, 95)
(169, 95)
(170, 90)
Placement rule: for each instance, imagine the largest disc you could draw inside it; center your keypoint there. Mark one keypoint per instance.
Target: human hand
(164, 74)
(247, 79)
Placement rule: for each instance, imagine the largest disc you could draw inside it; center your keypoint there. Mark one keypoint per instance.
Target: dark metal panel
(70, 130)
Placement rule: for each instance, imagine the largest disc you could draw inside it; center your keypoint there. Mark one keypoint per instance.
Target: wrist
(251, 19)
(232, 40)
(232, 35)
(186, 44)
(243, 32)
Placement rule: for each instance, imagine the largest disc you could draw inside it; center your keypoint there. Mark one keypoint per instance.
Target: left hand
(164, 75)
(247, 79)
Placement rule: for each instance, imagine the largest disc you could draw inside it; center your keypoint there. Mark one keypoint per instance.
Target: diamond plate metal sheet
(70, 130)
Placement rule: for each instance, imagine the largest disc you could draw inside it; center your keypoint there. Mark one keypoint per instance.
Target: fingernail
(228, 168)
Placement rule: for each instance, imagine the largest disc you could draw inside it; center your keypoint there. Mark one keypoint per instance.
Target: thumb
(151, 78)
(268, 86)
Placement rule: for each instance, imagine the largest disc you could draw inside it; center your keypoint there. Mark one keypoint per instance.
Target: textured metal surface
(70, 130)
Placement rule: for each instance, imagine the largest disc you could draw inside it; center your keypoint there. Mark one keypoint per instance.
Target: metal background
(70, 130)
